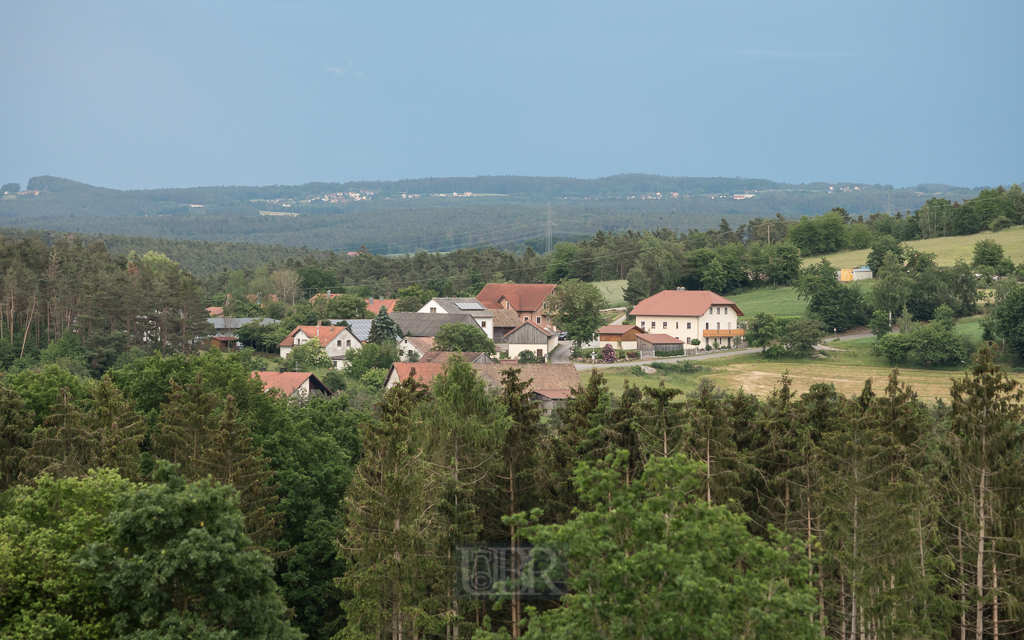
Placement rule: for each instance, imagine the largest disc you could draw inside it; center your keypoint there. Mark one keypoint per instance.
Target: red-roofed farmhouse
(687, 315)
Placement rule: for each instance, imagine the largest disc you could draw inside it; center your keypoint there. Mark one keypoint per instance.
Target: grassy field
(846, 369)
(612, 292)
(946, 250)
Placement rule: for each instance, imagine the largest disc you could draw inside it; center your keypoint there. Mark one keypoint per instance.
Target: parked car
(562, 335)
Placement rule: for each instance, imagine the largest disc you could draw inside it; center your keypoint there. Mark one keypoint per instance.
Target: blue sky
(141, 94)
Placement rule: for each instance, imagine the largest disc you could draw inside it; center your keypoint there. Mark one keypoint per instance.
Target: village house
(483, 316)
(549, 384)
(293, 384)
(691, 315)
(413, 345)
(620, 336)
(529, 336)
(504, 321)
(529, 301)
(228, 327)
(336, 341)
(428, 324)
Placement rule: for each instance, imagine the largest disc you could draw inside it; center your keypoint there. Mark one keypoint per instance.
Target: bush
(670, 354)
(676, 367)
(636, 370)
(608, 354)
(527, 356)
(1000, 223)
(774, 352)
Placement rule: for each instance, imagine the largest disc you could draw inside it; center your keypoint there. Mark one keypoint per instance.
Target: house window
(726, 310)
(664, 325)
(538, 319)
(540, 353)
(526, 318)
(348, 343)
(687, 325)
(641, 324)
(483, 324)
(718, 310)
(339, 343)
(508, 305)
(707, 325)
(433, 309)
(677, 325)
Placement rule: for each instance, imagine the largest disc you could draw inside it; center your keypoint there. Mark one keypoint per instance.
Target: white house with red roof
(337, 341)
(529, 301)
(687, 315)
(293, 384)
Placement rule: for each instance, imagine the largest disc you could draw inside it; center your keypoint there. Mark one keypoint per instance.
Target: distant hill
(440, 213)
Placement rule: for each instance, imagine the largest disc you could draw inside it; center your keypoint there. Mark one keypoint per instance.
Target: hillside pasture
(946, 250)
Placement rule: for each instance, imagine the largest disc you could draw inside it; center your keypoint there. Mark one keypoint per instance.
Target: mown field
(946, 250)
(612, 292)
(847, 369)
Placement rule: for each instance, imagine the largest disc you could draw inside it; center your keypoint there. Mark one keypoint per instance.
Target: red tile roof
(324, 334)
(546, 332)
(619, 329)
(374, 307)
(425, 371)
(523, 297)
(681, 303)
(215, 311)
(659, 338)
(288, 381)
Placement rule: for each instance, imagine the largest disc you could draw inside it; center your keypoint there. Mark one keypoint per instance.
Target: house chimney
(328, 294)
(283, 370)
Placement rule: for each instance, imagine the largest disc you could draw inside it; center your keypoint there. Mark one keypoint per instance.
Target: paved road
(705, 356)
(561, 353)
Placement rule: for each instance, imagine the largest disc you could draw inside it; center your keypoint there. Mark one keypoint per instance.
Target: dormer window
(433, 309)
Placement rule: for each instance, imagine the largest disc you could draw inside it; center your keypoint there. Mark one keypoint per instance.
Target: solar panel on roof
(469, 306)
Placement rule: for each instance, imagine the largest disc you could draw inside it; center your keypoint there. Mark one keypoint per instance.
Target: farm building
(620, 336)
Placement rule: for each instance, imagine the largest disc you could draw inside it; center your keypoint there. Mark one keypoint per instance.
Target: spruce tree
(384, 330)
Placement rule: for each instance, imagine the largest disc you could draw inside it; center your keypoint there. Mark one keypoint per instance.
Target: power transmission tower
(550, 224)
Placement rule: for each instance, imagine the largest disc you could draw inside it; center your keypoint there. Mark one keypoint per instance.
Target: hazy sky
(140, 94)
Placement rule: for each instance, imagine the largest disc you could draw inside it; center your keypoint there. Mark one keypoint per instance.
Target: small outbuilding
(620, 336)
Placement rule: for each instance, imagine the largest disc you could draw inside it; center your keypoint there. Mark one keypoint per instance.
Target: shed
(650, 344)
(620, 336)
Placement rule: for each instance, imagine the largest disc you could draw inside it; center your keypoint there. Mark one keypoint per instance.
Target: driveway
(705, 356)
(561, 353)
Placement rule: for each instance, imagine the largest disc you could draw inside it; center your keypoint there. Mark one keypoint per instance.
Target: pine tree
(708, 438)
(523, 475)
(464, 424)
(389, 525)
(15, 437)
(986, 414)
(205, 439)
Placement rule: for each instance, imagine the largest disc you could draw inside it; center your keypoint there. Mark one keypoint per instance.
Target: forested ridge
(508, 210)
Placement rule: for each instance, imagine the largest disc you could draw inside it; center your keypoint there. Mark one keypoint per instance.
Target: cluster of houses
(516, 318)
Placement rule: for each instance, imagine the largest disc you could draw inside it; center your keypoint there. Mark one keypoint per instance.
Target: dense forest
(506, 212)
(728, 515)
